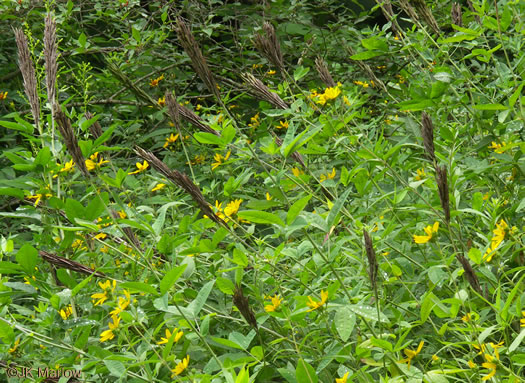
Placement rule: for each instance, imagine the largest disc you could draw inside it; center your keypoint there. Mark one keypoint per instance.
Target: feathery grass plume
(65, 263)
(95, 129)
(195, 120)
(28, 73)
(181, 180)
(173, 109)
(388, 12)
(324, 74)
(427, 132)
(442, 183)
(243, 305)
(66, 130)
(50, 58)
(426, 14)
(126, 81)
(261, 91)
(469, 273)
(410, 11)
(269, 46)
(372, 260)
(456, 15)
(198, 61)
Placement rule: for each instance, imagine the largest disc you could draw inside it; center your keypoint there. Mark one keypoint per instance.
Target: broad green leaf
(366, 55)
(330, 220)
(27, 257)
(81, 285)
(300, 72)
(16, 126)
(490, 107)
(227, 343)
(368, 312)
(375, 43)
(243, 376)
(9, 268)
(115, 367)
(516, 342)
(257, 216)
(225, 285)
(170, 278)
(198, 303)
(287, 374)
(381, 343)
(240, 258)
(517, 287)
(136, 34)
(140, 287)
(305, 373)
(301, 139)
(297, 208)
(12, 192)
(344, 322)
(208, 138)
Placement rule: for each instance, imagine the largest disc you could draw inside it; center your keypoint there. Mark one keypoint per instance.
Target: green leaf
(475, 256)
(381, 343)
(368, 312)
(82, 40)
(330, 220)
(12, 192)
(375, 43)
(15, 126)
(515, 95)
(81, 285)
(301, 139)
(170, 278)
(300, 72)
(74, 209)
(226, 342)
(136, 34)
(257, 216)
(426, 307)
(490, 107)
(517, 287)
(9, 268)
(287, 374)
(240, 258)
(104, 137)
(297, 208)
(197, 304)
(7, 334)
(365, 55)
(305, 373)
(140, 287)
(243, 377)
(115, 368)
(514, 345)
(208, 138)
(27, 257)
(225, 285)
(344, 322)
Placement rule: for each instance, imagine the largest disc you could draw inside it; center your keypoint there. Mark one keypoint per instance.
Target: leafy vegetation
(263, 191)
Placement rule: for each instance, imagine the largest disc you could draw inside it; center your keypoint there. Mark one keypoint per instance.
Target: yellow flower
(181, 366)
(158, 187)
(420, 174)
(411, 354)
(66, 312)
(343, 379)
(232, 207)
(92, 163)
(255, 122)
(162, 101)
(68, 166)
(123, 303)
(3, 96)
(296, 172)
(314, 304)
(271, 72)
(37, 197)
(15, 346)
(141, 167)
(498, 148)
(471, 364)
(155, 82)
(467, 317)
(429, 230)
(495, 348)
(100, 236)
(169, 334)
(198, 107)
(170, 140)
(497, 238)
(108, 334)
(328, 176)
(276, 302)
(256, 66)
(522, 321)
(347, 101)
(102, 297)
(435, 358)
(282, 125)
(219, 160)
(268, 197)
(331, 93)
(492, 367)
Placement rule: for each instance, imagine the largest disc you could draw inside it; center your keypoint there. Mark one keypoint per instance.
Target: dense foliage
(262, 191)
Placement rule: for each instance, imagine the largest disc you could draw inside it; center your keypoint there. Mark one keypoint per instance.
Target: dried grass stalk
(372, 260)
(471, 7)
(173, 109)
(95, 129)
(456, 14)
(427, 132)
(324, 74)
(28, 73)
(181, 180)
(195, 120)
(69, 264)
(66, 130)
(243, 305)
(50, 58)
(269, 46)
(442, 183)
(426, 14)
(469, 274)
(262, 92)
(198, 61)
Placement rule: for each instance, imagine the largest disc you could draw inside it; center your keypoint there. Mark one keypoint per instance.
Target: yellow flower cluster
(183, 364)
(176, 334)
(497, 238)
(92, 163)
(271, 72)
(99, 298)
(159, 186)
(170, 140)
(411, 354)
(123, 303)
(197, 160)
(37, 197)
(3, 96)
(255, 121)
(276, 302)
(330, 93)
(498, 148)
(161, 101)
(140, 167)
(328, 176)
(155, 82)
(66, 312)
(420, 174)
(282, 125)
(219, 160)
(230, 209)
(108, 334)
(489, 359)
(316, 304)
(429, 230)
(361, 83)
